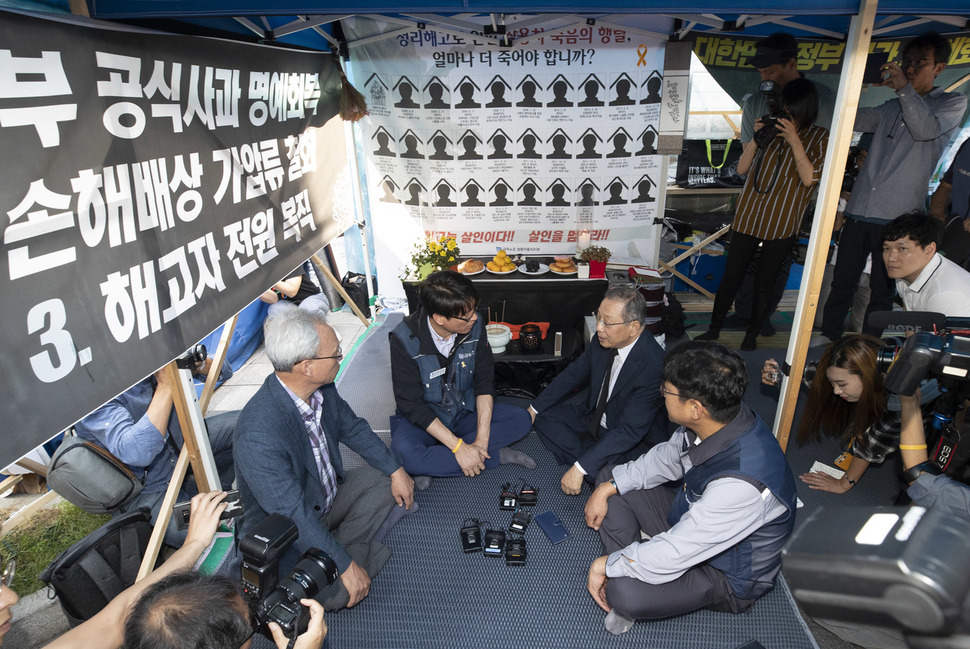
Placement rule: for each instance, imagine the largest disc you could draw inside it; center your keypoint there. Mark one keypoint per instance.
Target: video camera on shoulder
(769, 123)
(271, 599)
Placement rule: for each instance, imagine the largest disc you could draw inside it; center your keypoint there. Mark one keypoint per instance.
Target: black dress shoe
(710, 334)
(750, 342)
(768, 329)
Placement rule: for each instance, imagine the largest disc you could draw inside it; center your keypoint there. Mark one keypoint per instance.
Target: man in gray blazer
(288, 460)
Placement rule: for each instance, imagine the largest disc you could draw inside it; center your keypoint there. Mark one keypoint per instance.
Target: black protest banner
(154, 185)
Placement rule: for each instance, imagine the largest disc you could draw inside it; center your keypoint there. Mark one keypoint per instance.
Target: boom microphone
(907, 320)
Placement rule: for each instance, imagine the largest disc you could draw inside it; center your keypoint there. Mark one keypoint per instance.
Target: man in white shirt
(925, 280)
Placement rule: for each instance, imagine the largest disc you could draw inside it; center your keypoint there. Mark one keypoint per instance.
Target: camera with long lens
(769, 123)
(945, 355)
(271, 599)
(940, 348)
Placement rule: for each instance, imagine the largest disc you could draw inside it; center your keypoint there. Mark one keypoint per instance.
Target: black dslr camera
(769, 123)
(941, 349)
(192, 359)
(271, 599)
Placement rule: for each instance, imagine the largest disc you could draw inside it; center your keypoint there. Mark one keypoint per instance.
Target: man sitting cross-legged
(447, 421)
(714, 543)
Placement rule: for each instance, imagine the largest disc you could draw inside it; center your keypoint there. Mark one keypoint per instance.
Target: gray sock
(422, 482)
(508, 456)
(617, 624)
(393, 516)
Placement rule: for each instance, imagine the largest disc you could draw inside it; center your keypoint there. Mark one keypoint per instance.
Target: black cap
(777, 48)
(766, 56)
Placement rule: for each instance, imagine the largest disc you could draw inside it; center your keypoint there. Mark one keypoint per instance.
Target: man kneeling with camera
(173, 608)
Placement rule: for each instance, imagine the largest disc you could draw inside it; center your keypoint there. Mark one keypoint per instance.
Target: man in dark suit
(623, 414)
(288, 461)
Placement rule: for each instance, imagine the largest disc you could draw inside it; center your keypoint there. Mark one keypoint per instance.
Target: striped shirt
(777, 214)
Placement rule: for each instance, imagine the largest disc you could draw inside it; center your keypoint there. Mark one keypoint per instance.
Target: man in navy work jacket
(622, 416)
(715, 542)
(288, 460)
(447, 421)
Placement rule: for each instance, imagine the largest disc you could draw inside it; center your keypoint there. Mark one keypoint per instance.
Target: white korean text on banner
(154, 186)
(515, 148)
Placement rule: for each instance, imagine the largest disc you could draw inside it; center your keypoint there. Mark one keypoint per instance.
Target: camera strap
(758, 161)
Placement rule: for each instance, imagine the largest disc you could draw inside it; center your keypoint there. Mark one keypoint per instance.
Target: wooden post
(671, 265)
(195, 445)
(32, 466)
(217, 362)
(164, 514)
(27, 511)
(846, 103)
(194, 436)
(10, 482)
(340, 289)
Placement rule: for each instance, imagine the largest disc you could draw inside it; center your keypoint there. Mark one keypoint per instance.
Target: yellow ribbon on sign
(642, 53)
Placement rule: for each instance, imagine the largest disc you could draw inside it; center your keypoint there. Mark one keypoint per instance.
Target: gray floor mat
(431, 595)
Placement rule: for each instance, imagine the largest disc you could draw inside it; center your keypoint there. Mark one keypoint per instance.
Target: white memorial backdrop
(519, 148)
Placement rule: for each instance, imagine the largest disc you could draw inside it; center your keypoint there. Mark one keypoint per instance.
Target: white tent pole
(840, 136)
(358, 202)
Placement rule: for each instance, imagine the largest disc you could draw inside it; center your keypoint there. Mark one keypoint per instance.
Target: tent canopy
(306, 23)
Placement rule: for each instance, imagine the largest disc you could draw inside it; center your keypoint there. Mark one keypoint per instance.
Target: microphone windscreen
(907, 320)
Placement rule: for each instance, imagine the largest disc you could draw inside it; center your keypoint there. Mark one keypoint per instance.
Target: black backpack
(93, 571)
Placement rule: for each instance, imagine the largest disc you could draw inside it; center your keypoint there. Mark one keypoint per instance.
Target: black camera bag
(93, 571)
(356, 286)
